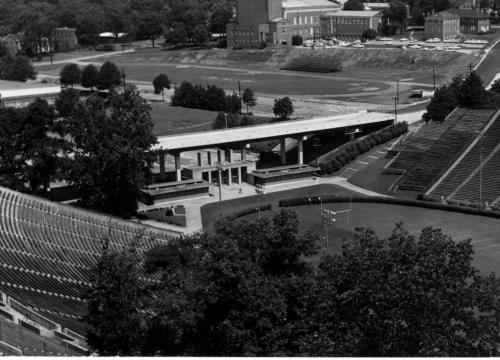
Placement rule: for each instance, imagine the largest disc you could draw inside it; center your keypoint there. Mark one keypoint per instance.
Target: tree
(111, 146)
(109, 76)
(18, 68)
(177, 34)
(200, 34)
(297, 40)
(355, 5)
(248, 98)
(219, 19)
(402, 296)
(233, 104)
(496, 86)
(283, 108)
(398, 14)
(160, 83)
(220, 121)
(150, 25)
(66, 101)
(442, 103)
(369, 34)
(472, 91)
(115, 325)
(70, 75)
(90, 76)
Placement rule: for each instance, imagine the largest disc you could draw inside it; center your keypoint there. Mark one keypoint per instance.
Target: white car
(451, 41)
(404, 39)
(385, 39)
(415, 47)
(358, 46)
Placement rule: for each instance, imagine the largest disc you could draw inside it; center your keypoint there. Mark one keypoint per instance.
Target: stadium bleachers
(47, 250)
(434, 149)
(470, 164)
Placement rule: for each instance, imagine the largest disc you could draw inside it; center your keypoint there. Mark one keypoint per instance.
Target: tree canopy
(90, 76)
(248, 289)
(160, 83)
(109, 76)
(353, 5)
(70, 74)
(18, 68)
(283, 108)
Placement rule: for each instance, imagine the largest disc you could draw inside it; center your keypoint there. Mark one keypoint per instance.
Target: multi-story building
(276, 21)
(350, 25)
(472, 21)
(443, 25)
(65, 38)
(11, 44)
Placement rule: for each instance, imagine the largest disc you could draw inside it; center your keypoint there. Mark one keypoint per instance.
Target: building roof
(10, 89)
(468, 13)
(377, 5)
(443, 15)
(348, 13)
(17, 37)
(290, 4)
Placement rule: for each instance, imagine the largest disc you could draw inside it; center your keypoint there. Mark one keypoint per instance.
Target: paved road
(490, 66)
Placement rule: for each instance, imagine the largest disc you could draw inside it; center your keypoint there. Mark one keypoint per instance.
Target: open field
(173, 120)
(382, 217)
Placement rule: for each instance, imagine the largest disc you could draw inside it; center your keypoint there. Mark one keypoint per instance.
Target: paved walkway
(193, 205)
(83, 58)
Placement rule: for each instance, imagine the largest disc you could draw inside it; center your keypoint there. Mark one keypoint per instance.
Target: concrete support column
(199, 158)
(229, 155)
(209, 157)
(283, 151)
(219, 156)
(229, 177)
(161, 160)
(239, 176)
(244, 153)
(178, 175)
(209, 176)
(300, 149)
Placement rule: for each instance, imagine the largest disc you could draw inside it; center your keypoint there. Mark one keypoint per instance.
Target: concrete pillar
(229, 177)
(219, 177)
(229, 155)
(283, 151)
(178, 175)
(219, 156)
(161, 160)
(209, 157)
(209, 176)
(300, 149)
(244, 153)
(239, 176)
(199, 159)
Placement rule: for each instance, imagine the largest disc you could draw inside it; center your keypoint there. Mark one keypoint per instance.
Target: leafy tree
(178, 34)
(297, 40)
(70, 75)
(115, 325)
(248, 98)
(369, 34)
(66, 101)
(200, 34)
(283, 108)
(111, 143)
(150, 25)
(18, 68)
(398, 14)
(109, 76)
(496, 86)
(472, 91)
(160, 83)
(90, 77)
(220, 120)
(233, 104)
(354, 5)
(442, 103)
(219, 19)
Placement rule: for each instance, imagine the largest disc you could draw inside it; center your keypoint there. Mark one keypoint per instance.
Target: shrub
(369, 34)
(329, 168)
(222, 43)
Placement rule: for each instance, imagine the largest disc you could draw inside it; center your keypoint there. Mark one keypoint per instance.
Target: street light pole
(481, 173)
(219, 171)
(324, 223)
(395, 110)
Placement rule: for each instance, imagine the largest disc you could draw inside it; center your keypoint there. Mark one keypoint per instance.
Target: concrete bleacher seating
(462, 182)
(47, 251)
(434, 149)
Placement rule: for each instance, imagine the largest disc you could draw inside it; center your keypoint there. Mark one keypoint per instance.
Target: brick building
(65, 39)
(350, 25)
(11, 44)
(472, 21)
(276, 21)
(443, 25)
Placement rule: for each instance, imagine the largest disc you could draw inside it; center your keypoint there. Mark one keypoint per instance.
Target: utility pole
(395, 110)
(434, 76)
(470, 69)
(239, 94)
(123, 77)
(397, 90)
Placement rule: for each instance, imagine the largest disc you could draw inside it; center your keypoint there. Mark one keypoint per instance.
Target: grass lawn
(382, 217)
(174, 120)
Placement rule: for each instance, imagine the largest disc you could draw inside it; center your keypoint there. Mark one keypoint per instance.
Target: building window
(295, 20)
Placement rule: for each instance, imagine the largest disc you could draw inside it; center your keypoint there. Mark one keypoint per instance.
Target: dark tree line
(209, 97)
(17, 68)
(107, 77)
(465, 91)
(251, 289)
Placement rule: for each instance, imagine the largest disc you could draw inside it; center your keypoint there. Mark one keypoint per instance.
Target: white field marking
(364, 163)
(373, 157)
(381, 152)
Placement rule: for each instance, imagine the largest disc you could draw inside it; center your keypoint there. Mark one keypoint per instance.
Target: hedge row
(316, 62)
(330, 198)
(466, 203)
(335, 161)
(251, 210)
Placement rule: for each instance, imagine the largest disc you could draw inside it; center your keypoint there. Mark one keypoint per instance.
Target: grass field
(174, 120)
(379, 217)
